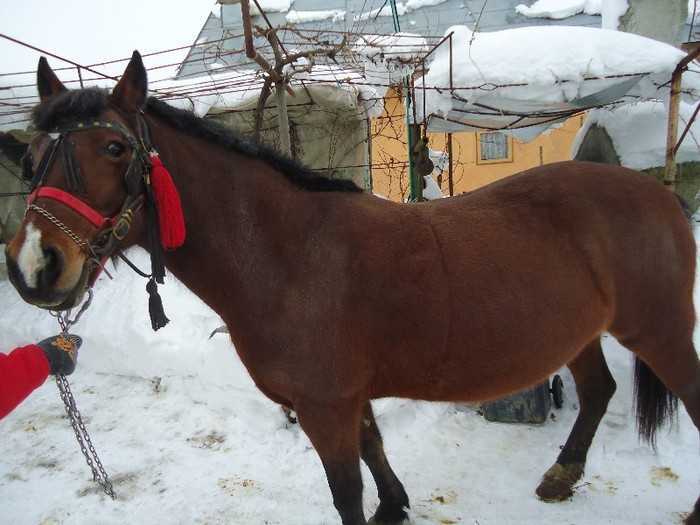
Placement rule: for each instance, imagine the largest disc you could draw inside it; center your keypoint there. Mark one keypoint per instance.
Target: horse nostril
(51, 270)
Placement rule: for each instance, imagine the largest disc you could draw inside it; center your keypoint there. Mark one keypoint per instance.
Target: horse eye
(27, 163)
(114, 149)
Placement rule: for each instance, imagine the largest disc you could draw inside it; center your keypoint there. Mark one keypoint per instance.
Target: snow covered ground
(187, 439)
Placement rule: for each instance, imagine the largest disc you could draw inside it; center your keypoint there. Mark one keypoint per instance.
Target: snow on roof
(239, 91)
(302, 17)
(387, 59)
(495, 78)
(559, 9)
(401, 9)
(270, 6)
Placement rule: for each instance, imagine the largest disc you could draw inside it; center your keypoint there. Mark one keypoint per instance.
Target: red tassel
(170, 218)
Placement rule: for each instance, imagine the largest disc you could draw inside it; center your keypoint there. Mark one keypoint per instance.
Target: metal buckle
(123, 225)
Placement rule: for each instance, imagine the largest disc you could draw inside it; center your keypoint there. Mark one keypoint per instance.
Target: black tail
(654, 403)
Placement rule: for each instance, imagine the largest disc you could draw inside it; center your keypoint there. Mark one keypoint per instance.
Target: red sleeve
(21, 372)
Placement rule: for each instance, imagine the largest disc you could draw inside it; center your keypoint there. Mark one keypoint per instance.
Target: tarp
(524, 119)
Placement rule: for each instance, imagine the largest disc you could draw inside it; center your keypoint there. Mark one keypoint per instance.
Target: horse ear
(47, 82)
(130, 92)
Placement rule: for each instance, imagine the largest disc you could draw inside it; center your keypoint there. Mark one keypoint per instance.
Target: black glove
(62, 352)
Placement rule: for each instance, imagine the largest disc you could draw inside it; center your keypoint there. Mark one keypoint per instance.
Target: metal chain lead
(98, 472)
(64, 320)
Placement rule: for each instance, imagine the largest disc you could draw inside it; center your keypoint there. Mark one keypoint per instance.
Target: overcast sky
(90, 31)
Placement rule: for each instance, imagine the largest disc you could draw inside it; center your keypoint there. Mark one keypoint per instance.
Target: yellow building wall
(390, 173)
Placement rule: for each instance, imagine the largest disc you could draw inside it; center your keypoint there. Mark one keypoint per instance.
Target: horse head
(87, 165)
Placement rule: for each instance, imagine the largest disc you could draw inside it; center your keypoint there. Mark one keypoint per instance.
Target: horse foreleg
(594, 386)
(392, 496)
(334, 431)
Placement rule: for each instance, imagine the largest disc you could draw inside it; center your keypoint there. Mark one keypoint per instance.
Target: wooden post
(247, 31)
(283, 119)
(672, 134)
(673, 111)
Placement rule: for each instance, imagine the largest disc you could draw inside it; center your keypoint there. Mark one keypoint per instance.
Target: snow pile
(611, 12)
(432, 190)
(638, 132)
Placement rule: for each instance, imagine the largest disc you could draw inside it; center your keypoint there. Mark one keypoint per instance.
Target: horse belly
(493, 335)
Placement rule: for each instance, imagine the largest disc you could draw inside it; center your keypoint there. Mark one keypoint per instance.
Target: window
(494, 147)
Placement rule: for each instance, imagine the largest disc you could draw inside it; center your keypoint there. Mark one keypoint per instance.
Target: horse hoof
(397, 519)
(373, 521)
(558, 482)
(692, 519)
(553, 491)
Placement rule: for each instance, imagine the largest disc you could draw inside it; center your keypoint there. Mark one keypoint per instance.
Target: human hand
(62, 352)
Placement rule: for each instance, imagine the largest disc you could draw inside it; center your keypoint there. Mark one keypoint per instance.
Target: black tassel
(153, 230)
(74, 179)
(155, 303)
(155, 306)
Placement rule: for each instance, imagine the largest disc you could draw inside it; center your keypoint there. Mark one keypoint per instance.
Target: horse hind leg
(594, 386)
(392, 496)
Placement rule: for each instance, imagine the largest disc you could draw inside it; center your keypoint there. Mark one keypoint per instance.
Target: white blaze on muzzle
(31, 256)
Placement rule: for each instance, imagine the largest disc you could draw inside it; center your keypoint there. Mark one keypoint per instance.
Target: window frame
(499, 160)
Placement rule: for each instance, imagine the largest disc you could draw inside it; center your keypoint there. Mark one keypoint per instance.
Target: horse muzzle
(42, 277)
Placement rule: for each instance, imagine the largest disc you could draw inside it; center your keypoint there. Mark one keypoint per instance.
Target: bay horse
(334, 297)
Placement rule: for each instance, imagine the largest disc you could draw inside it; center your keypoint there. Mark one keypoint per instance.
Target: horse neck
(237, 211)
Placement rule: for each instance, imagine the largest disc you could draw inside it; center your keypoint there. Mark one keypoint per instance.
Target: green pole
(415, 180)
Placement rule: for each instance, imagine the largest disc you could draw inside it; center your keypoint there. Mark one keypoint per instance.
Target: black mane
(188, 122)
(88, 103)
(69, 106)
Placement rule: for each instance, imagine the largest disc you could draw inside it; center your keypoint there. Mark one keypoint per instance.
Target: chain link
(84, 245)
(57, 222)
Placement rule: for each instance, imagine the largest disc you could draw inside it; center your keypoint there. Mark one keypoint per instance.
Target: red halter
(73, 203)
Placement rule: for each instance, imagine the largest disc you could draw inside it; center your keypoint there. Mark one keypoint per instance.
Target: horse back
(531, 267)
